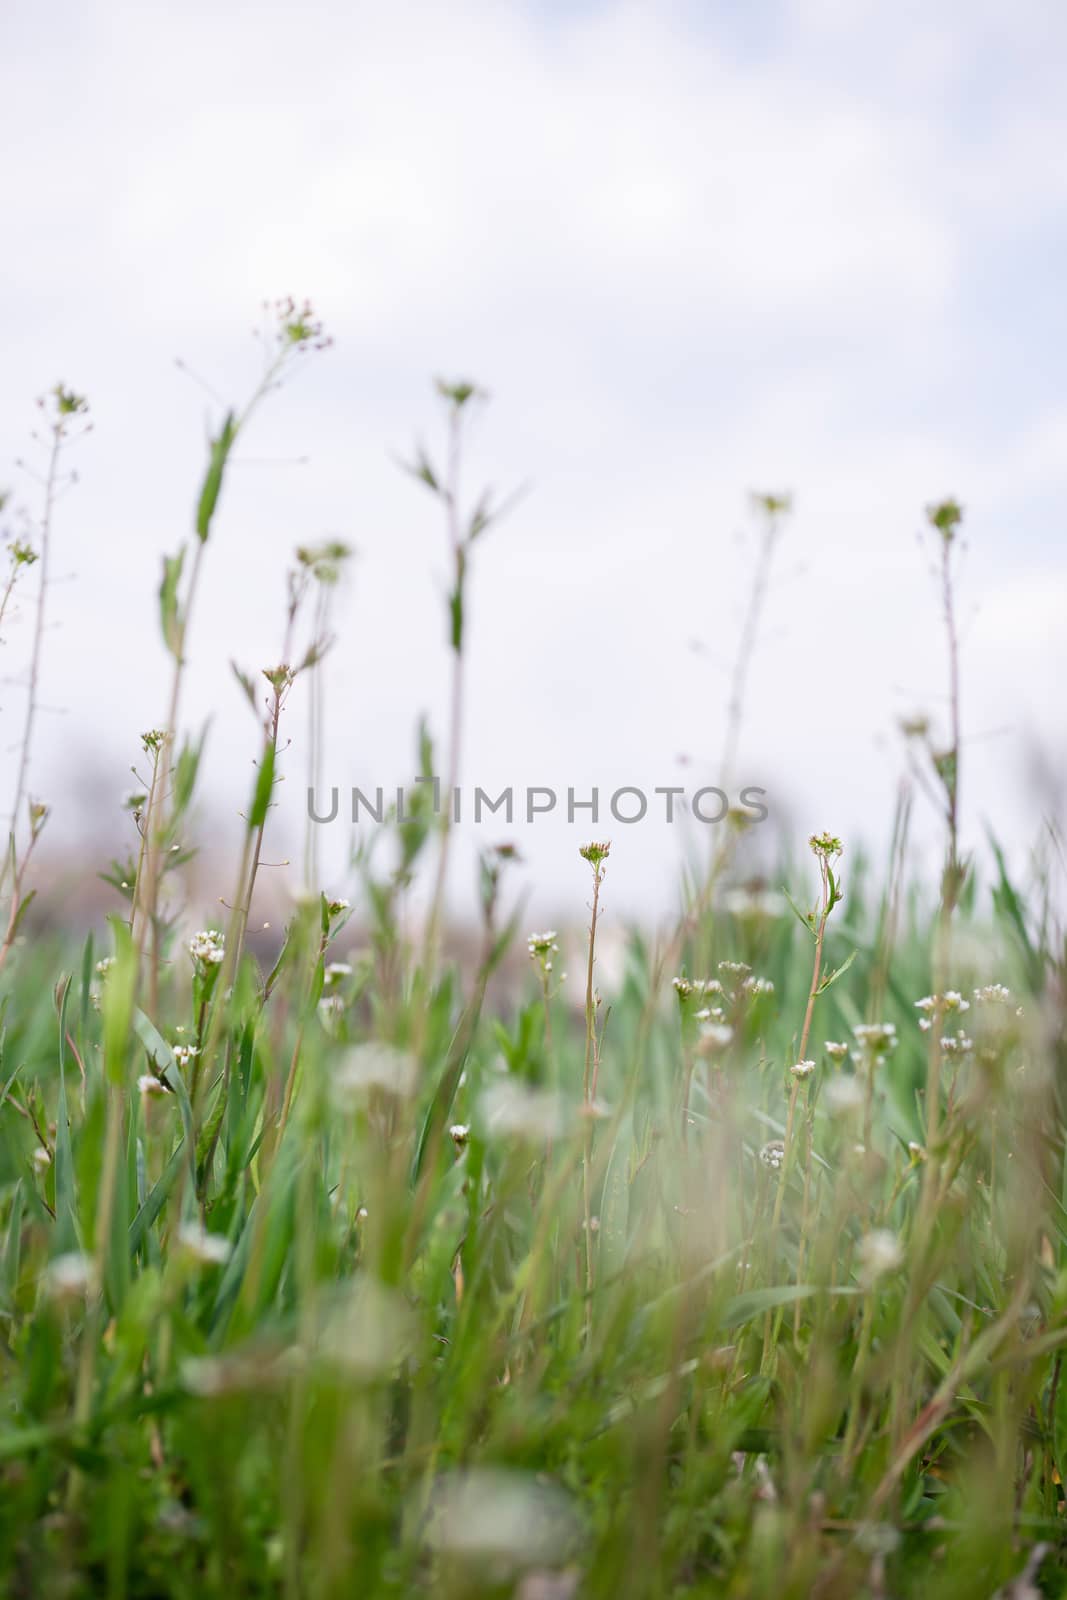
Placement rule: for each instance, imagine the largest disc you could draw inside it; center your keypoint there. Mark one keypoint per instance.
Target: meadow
(369, 1272)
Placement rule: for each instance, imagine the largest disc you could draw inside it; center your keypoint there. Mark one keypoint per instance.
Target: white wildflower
(714, 1037)
(331, 1009)
(503, 1519)
(70, 1277)
(836, 1052)
(876, 1038)
(801, 1070)
(207, 949)
(843, 1095)
(880, 1253)
(208, 1249)
(511, 1109)
(773, 1155)
(375, 1067)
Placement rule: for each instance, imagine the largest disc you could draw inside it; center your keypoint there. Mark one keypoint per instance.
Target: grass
(374, 1276)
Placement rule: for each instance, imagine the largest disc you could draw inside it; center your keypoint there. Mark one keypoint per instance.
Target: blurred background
(691, 251)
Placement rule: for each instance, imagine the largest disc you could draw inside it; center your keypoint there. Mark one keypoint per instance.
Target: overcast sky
(690, 251)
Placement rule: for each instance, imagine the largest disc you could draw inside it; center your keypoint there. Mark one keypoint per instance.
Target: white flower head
(207, 1249)
(773, 1155)
(876, 1038)
(501, 1519)
(993, 994)
(735, 969)
(880, 1253)
(207, 948)
(510, 1109)
(331, 1010)
(714, 1038)
(843, 1095)
(801, 1070)
(149, 1085)
(836, 1051)
(70, 1277)
(375, 1067)
(757, 987)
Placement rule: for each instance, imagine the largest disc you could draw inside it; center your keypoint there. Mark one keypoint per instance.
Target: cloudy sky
(690, 250)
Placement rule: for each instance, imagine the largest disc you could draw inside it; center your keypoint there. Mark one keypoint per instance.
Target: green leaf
(185, 771)
(264, 789)
(162, 1058)
(246, 684)
(805, 918)
(116, 1002)
(832, 977)
(66, 1199)
(9, 1265)
(743, 1307)
(169, 610)
(455, 613)
(24, 906)
(216, 469)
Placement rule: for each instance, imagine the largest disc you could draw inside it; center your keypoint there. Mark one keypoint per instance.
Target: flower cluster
(773, 1155)
(993, 994)
(542, 947)
(880, 1254)
(297, 327)
(331, 1011)
(207, 948)
(735, 969)
(595, 853)
(685, 988)
(835, 1050)
(826, 845)
(715, 1036)
(801, 1070)
(945, 517)
(844, 1095)
(945, 1003)
(876, 1039)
